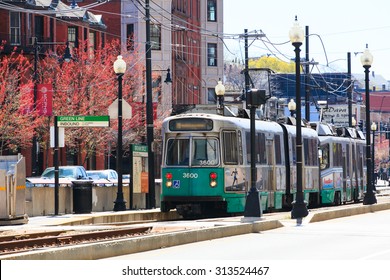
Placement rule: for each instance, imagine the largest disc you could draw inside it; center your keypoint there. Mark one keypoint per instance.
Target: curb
(141, 244)
(351, 211)
(134, 245)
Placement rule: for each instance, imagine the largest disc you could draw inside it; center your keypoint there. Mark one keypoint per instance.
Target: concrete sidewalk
(175, 232)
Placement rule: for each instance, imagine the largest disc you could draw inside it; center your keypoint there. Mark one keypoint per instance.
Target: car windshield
(63, 173)
(101, 175)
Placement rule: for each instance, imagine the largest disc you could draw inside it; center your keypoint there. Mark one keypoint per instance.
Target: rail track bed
(10, 244)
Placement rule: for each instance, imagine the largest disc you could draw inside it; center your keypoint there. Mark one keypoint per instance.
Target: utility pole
(34, 150)
(307, 87)
(149, 112)
(349, 77)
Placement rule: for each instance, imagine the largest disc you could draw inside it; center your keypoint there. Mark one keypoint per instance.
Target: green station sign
(83, 121)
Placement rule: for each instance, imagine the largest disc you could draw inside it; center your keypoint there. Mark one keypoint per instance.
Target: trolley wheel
(165, 207)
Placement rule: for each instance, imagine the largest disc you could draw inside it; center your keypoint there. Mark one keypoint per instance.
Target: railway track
(33, 241)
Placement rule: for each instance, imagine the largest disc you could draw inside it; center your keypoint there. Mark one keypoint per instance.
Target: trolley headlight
(168, 177)
(213, 179)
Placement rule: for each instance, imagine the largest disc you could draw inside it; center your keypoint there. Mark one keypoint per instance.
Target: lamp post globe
(299, 208)
(119, 69)
(119, 65)
(292, 106)
(353, 122)
(220, 92)
(369, 196)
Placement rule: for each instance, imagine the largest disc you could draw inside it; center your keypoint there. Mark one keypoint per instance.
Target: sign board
(140, 168)
(45, 99)
(127, 110)
(338, 114)
(61, 137)
(83, 121)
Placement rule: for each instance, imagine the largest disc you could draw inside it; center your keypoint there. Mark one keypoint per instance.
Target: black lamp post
(120, 69)
(299, 209)
(254, 98)
(220, 91)
(366, 59)
(67, 57)
(373, 128)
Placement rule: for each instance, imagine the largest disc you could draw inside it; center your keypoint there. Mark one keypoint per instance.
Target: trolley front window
(178, 152)
(203, 151)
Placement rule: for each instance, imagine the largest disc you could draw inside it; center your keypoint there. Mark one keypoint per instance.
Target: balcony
(23, 43)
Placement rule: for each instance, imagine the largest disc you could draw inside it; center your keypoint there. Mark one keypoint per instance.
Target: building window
(211, 96)
(130, 37)
(72, 38)
(15, 28)
(92, 43)
(211, 10)
(212, 54)
(155, 36)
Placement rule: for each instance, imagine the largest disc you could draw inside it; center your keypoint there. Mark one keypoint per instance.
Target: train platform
(167, 228)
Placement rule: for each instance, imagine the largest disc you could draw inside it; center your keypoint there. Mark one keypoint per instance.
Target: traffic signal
(361, 125)
(255, 98)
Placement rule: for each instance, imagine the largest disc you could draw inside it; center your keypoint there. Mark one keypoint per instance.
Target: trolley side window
(205, 152)
(310, 152)
(230, 147)
(324, 160)
(178, 151)
(337, 155)
(278, 150)
(259, 147)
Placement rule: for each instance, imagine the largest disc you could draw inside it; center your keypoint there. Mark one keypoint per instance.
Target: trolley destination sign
(83, 121)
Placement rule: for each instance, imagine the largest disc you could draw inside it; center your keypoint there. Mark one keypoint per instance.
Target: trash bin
(82, 196)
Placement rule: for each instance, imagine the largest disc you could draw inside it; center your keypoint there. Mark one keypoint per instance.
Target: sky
(343, 26)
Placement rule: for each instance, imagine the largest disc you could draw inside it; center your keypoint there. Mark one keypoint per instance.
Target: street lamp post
(373, 128)
(220, 91)
(254, 99)
(67, 57)
(119, 69)
(299, 209)
(366, 59)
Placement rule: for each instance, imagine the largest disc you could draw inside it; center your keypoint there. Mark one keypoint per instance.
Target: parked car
(67, 174)
(72, 172)
(108, 174)
(106, 177)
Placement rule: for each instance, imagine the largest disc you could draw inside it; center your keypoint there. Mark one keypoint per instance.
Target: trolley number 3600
(190, 175)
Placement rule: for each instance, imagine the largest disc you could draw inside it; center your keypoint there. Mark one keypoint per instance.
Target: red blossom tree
(17, 121)
(87, 86)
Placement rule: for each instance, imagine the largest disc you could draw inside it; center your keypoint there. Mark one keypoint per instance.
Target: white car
(106, 177)
(66, 175)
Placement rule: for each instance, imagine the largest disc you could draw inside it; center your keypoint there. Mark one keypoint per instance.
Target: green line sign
(83, 121)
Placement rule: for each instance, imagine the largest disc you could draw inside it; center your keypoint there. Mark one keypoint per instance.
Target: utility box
(12, 190)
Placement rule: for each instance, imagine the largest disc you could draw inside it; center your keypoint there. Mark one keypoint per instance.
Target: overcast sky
(343, 26)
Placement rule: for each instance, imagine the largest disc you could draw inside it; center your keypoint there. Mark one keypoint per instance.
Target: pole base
(369, 198)
(252, 204)
(119, 203)
(299, 210)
